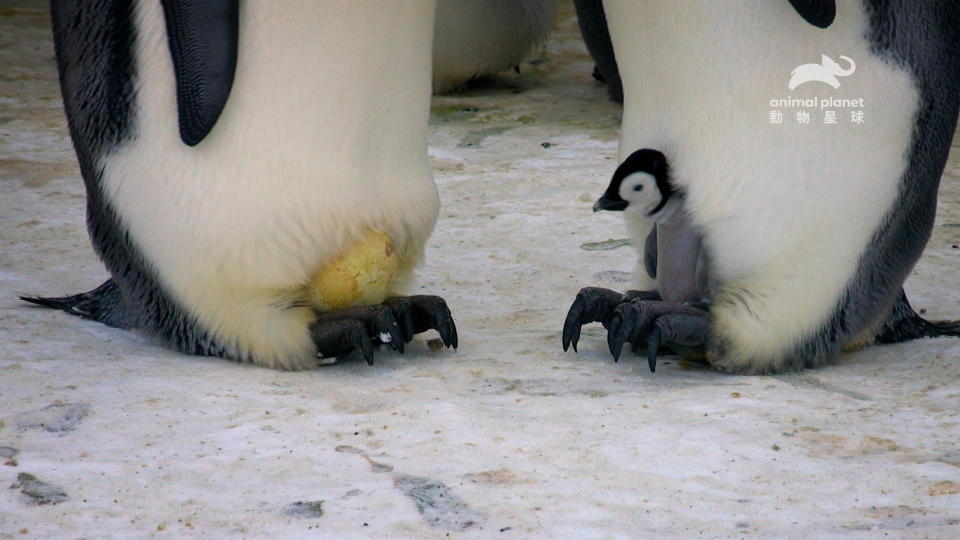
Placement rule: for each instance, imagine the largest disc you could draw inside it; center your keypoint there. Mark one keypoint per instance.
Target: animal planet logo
(826, 72)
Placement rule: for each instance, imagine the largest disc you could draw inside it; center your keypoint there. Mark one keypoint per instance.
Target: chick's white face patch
(640, 190)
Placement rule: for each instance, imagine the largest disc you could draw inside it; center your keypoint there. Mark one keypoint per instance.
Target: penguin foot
(680, 327)
(394, 322)
(596, 304)
(638, 318)
(418, 314)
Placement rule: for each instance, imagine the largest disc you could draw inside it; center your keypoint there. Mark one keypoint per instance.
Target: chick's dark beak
(615, 205)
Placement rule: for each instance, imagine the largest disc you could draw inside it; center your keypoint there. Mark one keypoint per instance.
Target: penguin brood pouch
(809, 189)
(256, 173)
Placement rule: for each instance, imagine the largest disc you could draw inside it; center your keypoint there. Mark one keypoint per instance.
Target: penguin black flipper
(650, 253)
(104, 304)
(819, 13)
(905, 324)
(203, 43)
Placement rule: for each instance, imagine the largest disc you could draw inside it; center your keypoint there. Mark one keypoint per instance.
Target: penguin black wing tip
(942, 328)
(202, 38)
(915, 327)
(55, 303)
(103, 304)
(819, 13)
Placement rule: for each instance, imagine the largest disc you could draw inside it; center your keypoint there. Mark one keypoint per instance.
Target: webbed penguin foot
(394, 322)
(681, 327)
(596, 304)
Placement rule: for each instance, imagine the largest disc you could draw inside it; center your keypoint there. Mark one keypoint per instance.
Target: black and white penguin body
(810, 228)
(215, 222)
(474, 38)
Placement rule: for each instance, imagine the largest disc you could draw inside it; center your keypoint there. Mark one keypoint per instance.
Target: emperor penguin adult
(256, 172)
(809, 227)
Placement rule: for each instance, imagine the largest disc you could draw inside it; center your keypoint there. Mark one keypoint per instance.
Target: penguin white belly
(786, 210)
(322, 140)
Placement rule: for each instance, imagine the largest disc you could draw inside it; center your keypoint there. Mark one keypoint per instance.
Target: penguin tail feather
(905, 324)
(101, 304)
(918, 327)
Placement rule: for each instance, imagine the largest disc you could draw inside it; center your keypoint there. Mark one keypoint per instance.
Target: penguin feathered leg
(904, 324)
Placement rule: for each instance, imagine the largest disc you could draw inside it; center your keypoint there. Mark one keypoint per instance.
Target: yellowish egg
(362, 275)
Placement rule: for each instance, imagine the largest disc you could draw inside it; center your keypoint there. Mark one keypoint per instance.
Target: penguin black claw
(684, 331)
(339, 332)
(628, 324)
(638, 317)
(653, 347)
(338, 337)
(394, 322)
(403, 313)
(592, 304)
(417, 314)
(426, 312)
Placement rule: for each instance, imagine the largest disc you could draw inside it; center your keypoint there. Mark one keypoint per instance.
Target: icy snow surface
(105, 434)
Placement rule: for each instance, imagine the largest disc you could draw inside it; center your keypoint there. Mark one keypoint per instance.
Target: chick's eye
(638, 187)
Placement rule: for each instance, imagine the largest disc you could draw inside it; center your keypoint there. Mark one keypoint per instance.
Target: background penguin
(809, 232)
(593, 28)
(257, 177)
(474, 38)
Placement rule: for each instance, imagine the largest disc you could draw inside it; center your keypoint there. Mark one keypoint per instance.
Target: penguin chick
(641, 185)
(675, 313)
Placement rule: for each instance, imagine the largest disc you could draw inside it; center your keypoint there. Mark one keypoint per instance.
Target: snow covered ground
(105, 434)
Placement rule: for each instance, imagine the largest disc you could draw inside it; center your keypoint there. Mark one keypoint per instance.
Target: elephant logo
(826, 72)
